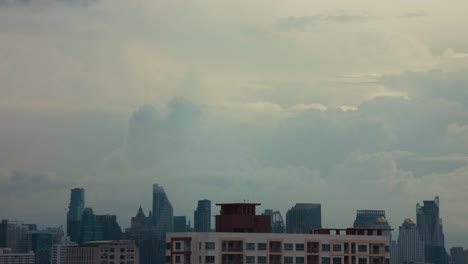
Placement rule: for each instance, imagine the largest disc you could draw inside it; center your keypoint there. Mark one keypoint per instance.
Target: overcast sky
(353, 104)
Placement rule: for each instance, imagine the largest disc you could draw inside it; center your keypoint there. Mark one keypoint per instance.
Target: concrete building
(202, 216)
(7, 256)
(162, 210)
(457, 255)
(98, 252)
(345, 247)
(75, 211)
(59, 250)
(241, 217)
(303, 217)
(411, 247)
(14, 235)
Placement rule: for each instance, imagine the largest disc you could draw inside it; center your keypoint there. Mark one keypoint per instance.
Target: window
(250, 246)
(168, 259)
(262, 246)
(122, 249)
(326, 247)
(177, 259)
(288, 246)
(362, 261)
(177, 245)
(168, 245)
(362, 248)
(122, 256)
(336, 247)
(299, 260)
(337, 260)
(209, 245)
(325, 260)
(209, 259)
(299, 247)
(288, 260)
(250, 259)
(262, 259)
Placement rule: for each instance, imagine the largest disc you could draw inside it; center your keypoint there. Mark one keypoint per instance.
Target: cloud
(416, 14)
(306, 22)
(29, 183)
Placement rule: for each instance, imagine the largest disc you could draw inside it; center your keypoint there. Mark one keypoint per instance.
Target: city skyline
(350, 104)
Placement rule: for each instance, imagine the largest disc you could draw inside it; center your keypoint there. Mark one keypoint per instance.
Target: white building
(58, 251)
(350, 246)
(410, 243)
(104, 252)
(8, 257)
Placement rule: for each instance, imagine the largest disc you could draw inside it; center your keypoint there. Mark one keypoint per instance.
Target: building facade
(180, 224)
(90, 229)
(14, 235)
(7, 256)
(237, 248)
(40, 243)
(241, 217)
(75, 211)
(162, 210)
(202, 216)
(303, 217)
(109, 252)
(411, 247)
(457, 255)
(372, 218)
(59, 250)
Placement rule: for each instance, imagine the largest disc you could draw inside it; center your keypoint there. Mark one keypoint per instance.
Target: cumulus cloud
(305, 22)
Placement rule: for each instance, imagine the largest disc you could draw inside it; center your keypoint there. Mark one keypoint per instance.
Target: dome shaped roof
(381, 220)
(408, 221)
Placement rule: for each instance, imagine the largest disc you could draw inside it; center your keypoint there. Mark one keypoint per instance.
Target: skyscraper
(14, 235)
(110, 228)
(430, 228)
(75, 211)
(162, 210)
(202, 216)
(410, 243)
(90, 229)
(180, 224)
(41, 243)
(303, 217)
(373, 219)
(457, 254)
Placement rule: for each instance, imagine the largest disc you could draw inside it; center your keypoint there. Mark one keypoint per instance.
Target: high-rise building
(457, 255)
(90, 229)
(303, 217)
(14, 235)
(118, 251)
(430, 228)
(7, 256)
(374, 219)
(180, 224)
(277, 224)
(202, 216)
(394, 253)
(410, 244)
(75, 211)
(41, 243)
(56, 232)
(110, 228)
(59, 250)
(162, 210)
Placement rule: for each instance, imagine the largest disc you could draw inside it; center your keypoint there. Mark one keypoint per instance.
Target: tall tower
(430, 228)
(303, 217)
(202, 216)
(162, 211)
(75, 211)
(410, 243)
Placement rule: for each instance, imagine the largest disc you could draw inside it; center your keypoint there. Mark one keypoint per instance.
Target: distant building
(97, 252)
(241, 218)
(162, 210)
(430, 228)
(7, 256)
(374, 219)
(457, 255)
(41, 243)
(303, 217)
(202, 216)
(90, 229)
(14, 235)
(75, 211)
(410, 244)
(59, 250)
(180, 224)
(277, 223)
(394, 254)
(56, 232)
(110, 228)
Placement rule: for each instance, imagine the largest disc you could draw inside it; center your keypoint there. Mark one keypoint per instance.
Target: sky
(352, 104)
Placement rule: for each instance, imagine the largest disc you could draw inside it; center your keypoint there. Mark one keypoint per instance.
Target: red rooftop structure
(241, 218)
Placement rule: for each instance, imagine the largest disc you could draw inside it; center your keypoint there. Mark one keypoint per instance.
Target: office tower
(394, 253)
(59, 250)
(110, 228)
(90, 229)
(241, 217)
(7, 256)
(374, 219)
(410, 243)
(120, 251)
(75, 211)
(180, 224)
(430, 228)
(14, 235)
(56, 232)
(303, 217)
(457, 255)
(277, 224)
(202, 216)
(162, 210)
(41, 244)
